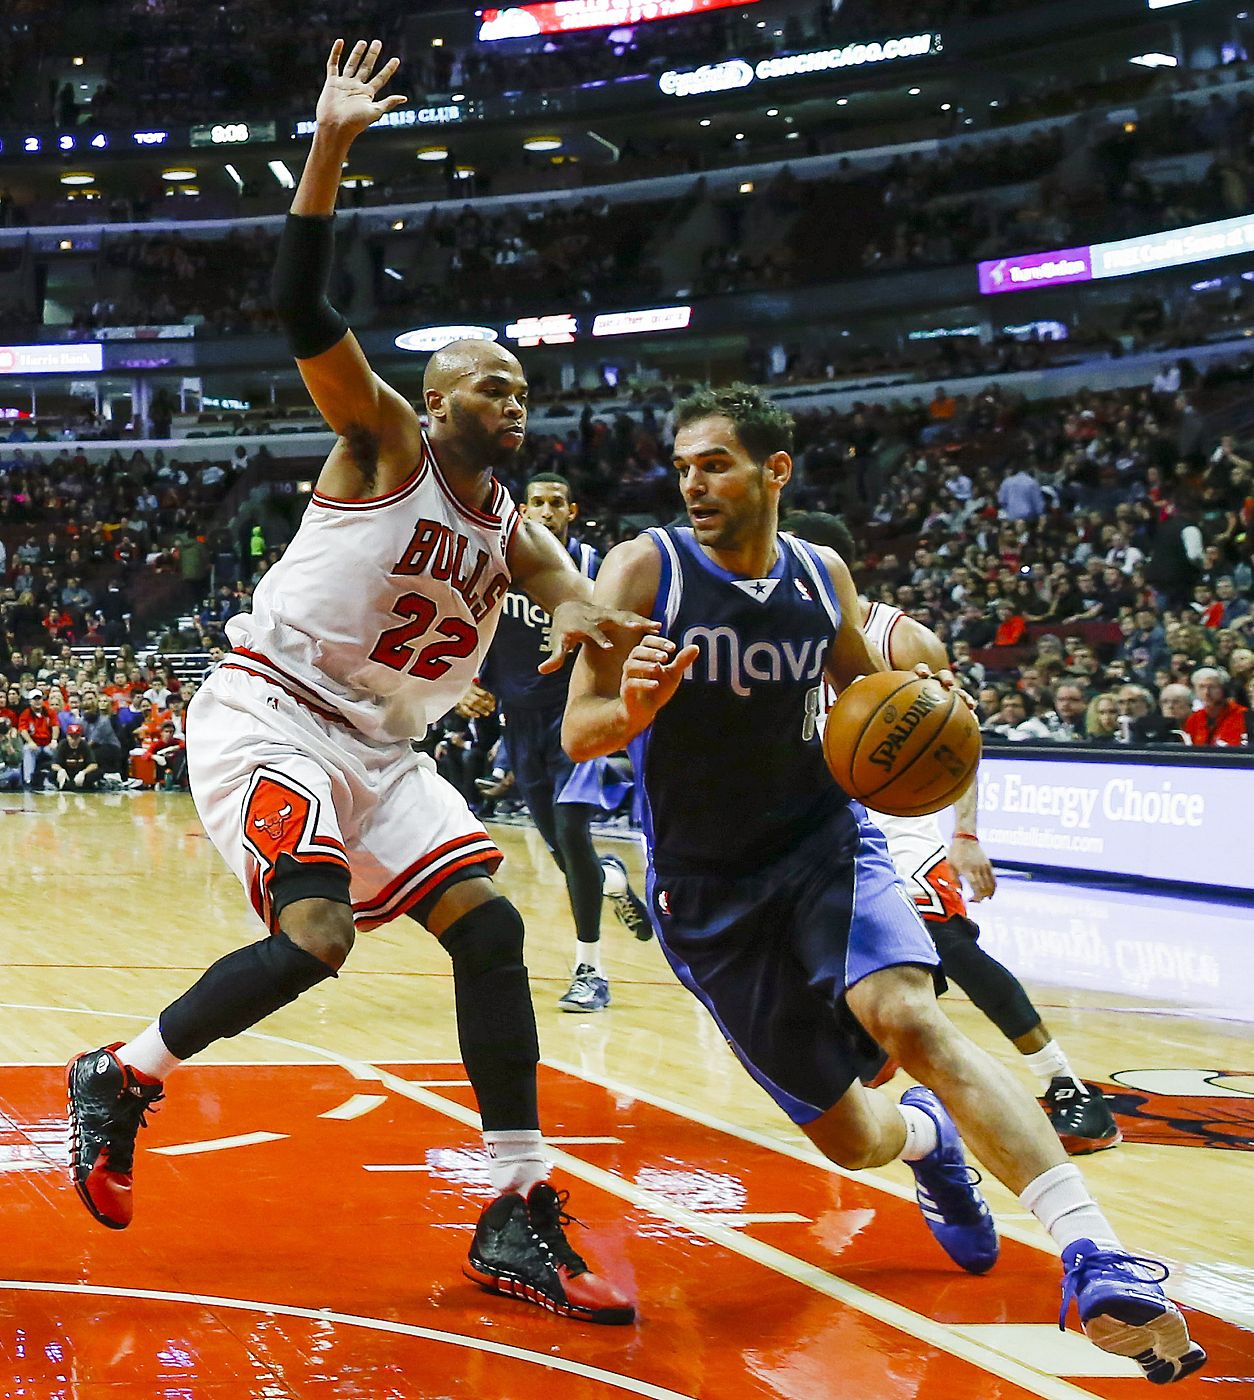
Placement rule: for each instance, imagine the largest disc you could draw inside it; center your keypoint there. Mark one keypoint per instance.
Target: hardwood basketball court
(304, 1195)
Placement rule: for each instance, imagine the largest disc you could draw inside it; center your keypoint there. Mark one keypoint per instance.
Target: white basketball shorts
(272, 777)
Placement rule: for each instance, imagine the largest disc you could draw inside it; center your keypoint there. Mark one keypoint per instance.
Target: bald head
(475, 393)
(461, 360)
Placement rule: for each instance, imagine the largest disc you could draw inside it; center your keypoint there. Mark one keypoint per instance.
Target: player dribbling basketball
(772, 893)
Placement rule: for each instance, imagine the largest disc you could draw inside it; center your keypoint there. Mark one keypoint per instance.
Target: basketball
(902, 743)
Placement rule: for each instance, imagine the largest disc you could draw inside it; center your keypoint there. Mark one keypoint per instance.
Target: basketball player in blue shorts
(560, 795)
(773, 894)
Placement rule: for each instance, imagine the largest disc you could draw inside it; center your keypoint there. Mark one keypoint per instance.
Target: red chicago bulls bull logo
(281, 819)
(276, 819)
(273, 824)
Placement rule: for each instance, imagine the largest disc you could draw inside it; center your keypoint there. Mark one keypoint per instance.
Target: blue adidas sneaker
(945, 1186)
(1124, 1310)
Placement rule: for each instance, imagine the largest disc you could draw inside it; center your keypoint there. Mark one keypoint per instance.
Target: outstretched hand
(350, 101)
(575, 621)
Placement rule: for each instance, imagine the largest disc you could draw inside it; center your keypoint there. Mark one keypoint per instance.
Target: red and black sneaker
(108, 1103)
(1081, 1116)
(520, 1249)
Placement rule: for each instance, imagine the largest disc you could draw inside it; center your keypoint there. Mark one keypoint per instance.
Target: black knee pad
(994, 989)
(238, 991)
(490, 936)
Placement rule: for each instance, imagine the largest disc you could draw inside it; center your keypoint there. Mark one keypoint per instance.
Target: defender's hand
(477, 703)
(969, 863)
(349, 101)
(575, 622)
(947, 679)
(651, 676)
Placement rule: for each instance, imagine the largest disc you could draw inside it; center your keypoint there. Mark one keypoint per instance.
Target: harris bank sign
(735, 73)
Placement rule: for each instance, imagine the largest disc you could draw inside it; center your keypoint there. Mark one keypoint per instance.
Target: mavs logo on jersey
(723, 658)
(733, 768)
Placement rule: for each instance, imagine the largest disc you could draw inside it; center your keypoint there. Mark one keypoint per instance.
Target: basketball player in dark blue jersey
(773, 894)
(560, 795)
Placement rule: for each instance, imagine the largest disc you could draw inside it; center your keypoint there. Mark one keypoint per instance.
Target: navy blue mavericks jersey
(522, 642)
(733, 769)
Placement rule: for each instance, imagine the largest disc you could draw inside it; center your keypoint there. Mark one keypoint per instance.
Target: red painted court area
(323, 1260)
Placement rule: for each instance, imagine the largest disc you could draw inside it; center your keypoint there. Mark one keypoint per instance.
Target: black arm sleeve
(298, 287)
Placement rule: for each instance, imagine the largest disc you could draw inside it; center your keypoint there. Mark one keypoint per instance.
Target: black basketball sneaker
(1081, 1116)
(520, 1249)
(108, 1102)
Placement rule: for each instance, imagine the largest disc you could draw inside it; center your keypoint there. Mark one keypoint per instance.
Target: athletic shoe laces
(950, 1184)
(1153, 1271)
(126, 1117)
(548, 1213)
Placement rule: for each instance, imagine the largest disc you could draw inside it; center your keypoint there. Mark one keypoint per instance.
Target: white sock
(1060, 1200)
(921, 1133)
(148, 1054)
(589, 955)
(1049, 1063)
(516, 1160)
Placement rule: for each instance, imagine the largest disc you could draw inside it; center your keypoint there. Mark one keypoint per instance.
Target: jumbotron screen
(562, 16)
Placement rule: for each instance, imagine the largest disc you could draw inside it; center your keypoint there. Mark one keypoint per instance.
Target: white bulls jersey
(915, 844)
(380, 611)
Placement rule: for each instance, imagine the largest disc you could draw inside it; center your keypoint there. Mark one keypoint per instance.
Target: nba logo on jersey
(804, 591)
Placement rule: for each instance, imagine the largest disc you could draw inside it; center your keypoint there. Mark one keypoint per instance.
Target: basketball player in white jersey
(932, 871)
(370, 627)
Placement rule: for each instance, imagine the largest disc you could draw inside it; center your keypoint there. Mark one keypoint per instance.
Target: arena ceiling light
(235, 177)
(465, 172)
(432, 152)
(281, 173)
(357, 182)
(542, 143)
(1154, 60)
(179, 172)
(77, 177)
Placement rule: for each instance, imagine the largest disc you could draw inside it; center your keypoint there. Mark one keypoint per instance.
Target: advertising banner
(1164, 821)
(1035, 270)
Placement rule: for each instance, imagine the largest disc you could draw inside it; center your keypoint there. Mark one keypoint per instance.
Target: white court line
(583, 1141)
(914, 1325)
(188, 1149)
(547, 1360)
(738, 1221)
(356, 1107)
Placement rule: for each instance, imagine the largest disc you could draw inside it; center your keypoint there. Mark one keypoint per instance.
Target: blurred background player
(773, 895)
(561, 796)
(1079, 1111)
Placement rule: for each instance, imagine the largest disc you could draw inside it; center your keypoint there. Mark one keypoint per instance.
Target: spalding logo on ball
(902, 743)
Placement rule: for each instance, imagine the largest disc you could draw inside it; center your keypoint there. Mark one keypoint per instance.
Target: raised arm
(380, 435)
